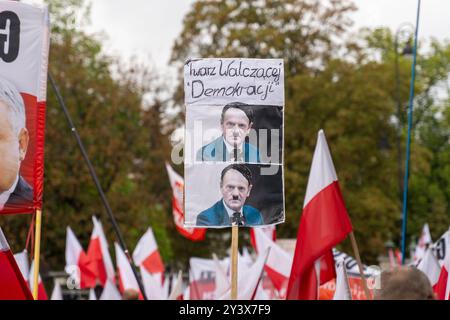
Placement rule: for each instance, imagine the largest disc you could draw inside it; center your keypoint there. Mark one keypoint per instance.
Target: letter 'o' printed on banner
(24, 47)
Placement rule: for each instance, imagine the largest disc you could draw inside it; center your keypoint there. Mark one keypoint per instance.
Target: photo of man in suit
(236, 121)
(14, 140)
(235, 186)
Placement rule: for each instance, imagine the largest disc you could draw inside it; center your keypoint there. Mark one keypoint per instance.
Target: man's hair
(130, 294)
(13, 99)
(241, 106)
(404, 283)
(241, 168)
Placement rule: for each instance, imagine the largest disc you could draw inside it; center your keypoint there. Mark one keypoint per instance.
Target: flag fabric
(28, 274)
(279, 262)
(57, 292)
(201, 279)
(154, 290)
(110, 292)
(430, 266)
(270, 231)
(146, 254)
(261, 294)
(177, 288)
(324, 223)
(186, 293)
(442, 288)
(23, 264)
(249, 279)
(177, 184)
(222, 280)
(98, 255)
(13, 284)
(92, 295)
(42, 293)
(424, 241)
(246, 257)
(342, 285)
(77, 262)
(127, 280)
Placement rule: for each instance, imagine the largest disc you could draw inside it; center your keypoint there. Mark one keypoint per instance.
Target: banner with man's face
(24, 46)
(233, 152)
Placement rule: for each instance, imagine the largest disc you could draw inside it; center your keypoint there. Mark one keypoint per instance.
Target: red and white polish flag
(270, 231)
(279, 262)
(442, 288)
(92, 295)
(202, 279)
(154, 290)
(177, 184)
(430, 266)
(42, 293)
(127, 280)
(146, 254)
(176, 292)
(248, 281)
(13, 284)
(110, 292)
(22, 261)
(57, 292)
(343, 291)
(98, 254)
(77, 262)
(424, 241)
(324, 223)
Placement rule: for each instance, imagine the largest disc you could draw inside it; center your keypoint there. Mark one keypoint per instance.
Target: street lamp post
(407, 51)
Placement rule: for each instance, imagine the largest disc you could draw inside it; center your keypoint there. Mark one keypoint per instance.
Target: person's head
(130, 294)
(236, 121)
(404, 283)
(13, 134)
(235, 185)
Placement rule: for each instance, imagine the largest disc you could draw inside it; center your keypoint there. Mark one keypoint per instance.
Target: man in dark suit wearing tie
(235, 186)
(236, 121)
(14, 137)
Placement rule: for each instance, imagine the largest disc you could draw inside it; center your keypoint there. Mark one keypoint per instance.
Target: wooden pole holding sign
(360, 266)
(234, 261)
(234, 250)
(37, 252)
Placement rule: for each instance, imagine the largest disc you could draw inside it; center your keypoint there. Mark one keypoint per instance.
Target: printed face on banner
(233, 151)
(24, 40)
(13, 142)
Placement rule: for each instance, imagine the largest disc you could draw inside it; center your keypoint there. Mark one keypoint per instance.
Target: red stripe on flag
(441, 286)
(13, 285)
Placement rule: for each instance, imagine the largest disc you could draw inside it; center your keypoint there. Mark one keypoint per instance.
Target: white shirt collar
(4, 196)
(229, 210)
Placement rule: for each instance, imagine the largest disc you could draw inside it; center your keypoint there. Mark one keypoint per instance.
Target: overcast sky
(148, 28)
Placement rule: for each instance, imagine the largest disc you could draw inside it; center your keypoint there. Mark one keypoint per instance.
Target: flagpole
(37, 252)
(360, 266)
(98, 185)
